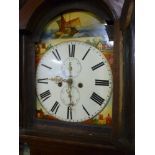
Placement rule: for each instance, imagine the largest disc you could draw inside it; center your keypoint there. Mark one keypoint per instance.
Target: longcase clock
(73, 79)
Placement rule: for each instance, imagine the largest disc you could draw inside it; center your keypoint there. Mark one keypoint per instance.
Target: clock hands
(69, 91)
(69, 81)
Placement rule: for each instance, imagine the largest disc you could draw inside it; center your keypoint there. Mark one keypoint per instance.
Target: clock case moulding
(119, 137)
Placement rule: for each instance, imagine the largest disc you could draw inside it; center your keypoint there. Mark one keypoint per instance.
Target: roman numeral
(85, 110)
(45, 95)
(102, 82)
(96, 98)
(44, 81)
(55, 107)
(69, 113)
(86, 54)
(97, 66)
(46, 66)
(56, 54)
(71, 50)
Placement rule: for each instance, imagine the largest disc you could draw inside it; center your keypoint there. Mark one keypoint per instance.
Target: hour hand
(57, 79)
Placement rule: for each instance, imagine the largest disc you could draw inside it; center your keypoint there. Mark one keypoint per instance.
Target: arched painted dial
(73, 81)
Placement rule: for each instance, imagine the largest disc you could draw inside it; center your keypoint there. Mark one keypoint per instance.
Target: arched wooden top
(27, 11)
(32, 7)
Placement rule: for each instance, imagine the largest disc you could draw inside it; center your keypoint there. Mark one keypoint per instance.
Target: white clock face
(73, 81)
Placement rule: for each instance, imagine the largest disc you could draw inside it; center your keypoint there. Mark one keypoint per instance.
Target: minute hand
(70, 82)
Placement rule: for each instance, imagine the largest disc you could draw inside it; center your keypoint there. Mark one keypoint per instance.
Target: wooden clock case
(45, 137)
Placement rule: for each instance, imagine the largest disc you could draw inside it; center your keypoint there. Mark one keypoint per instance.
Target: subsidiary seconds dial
(73, 81)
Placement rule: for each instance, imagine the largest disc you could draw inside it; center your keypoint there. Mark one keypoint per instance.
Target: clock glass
(74, 60)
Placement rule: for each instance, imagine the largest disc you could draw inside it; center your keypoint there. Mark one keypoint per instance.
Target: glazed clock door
(74, 81)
